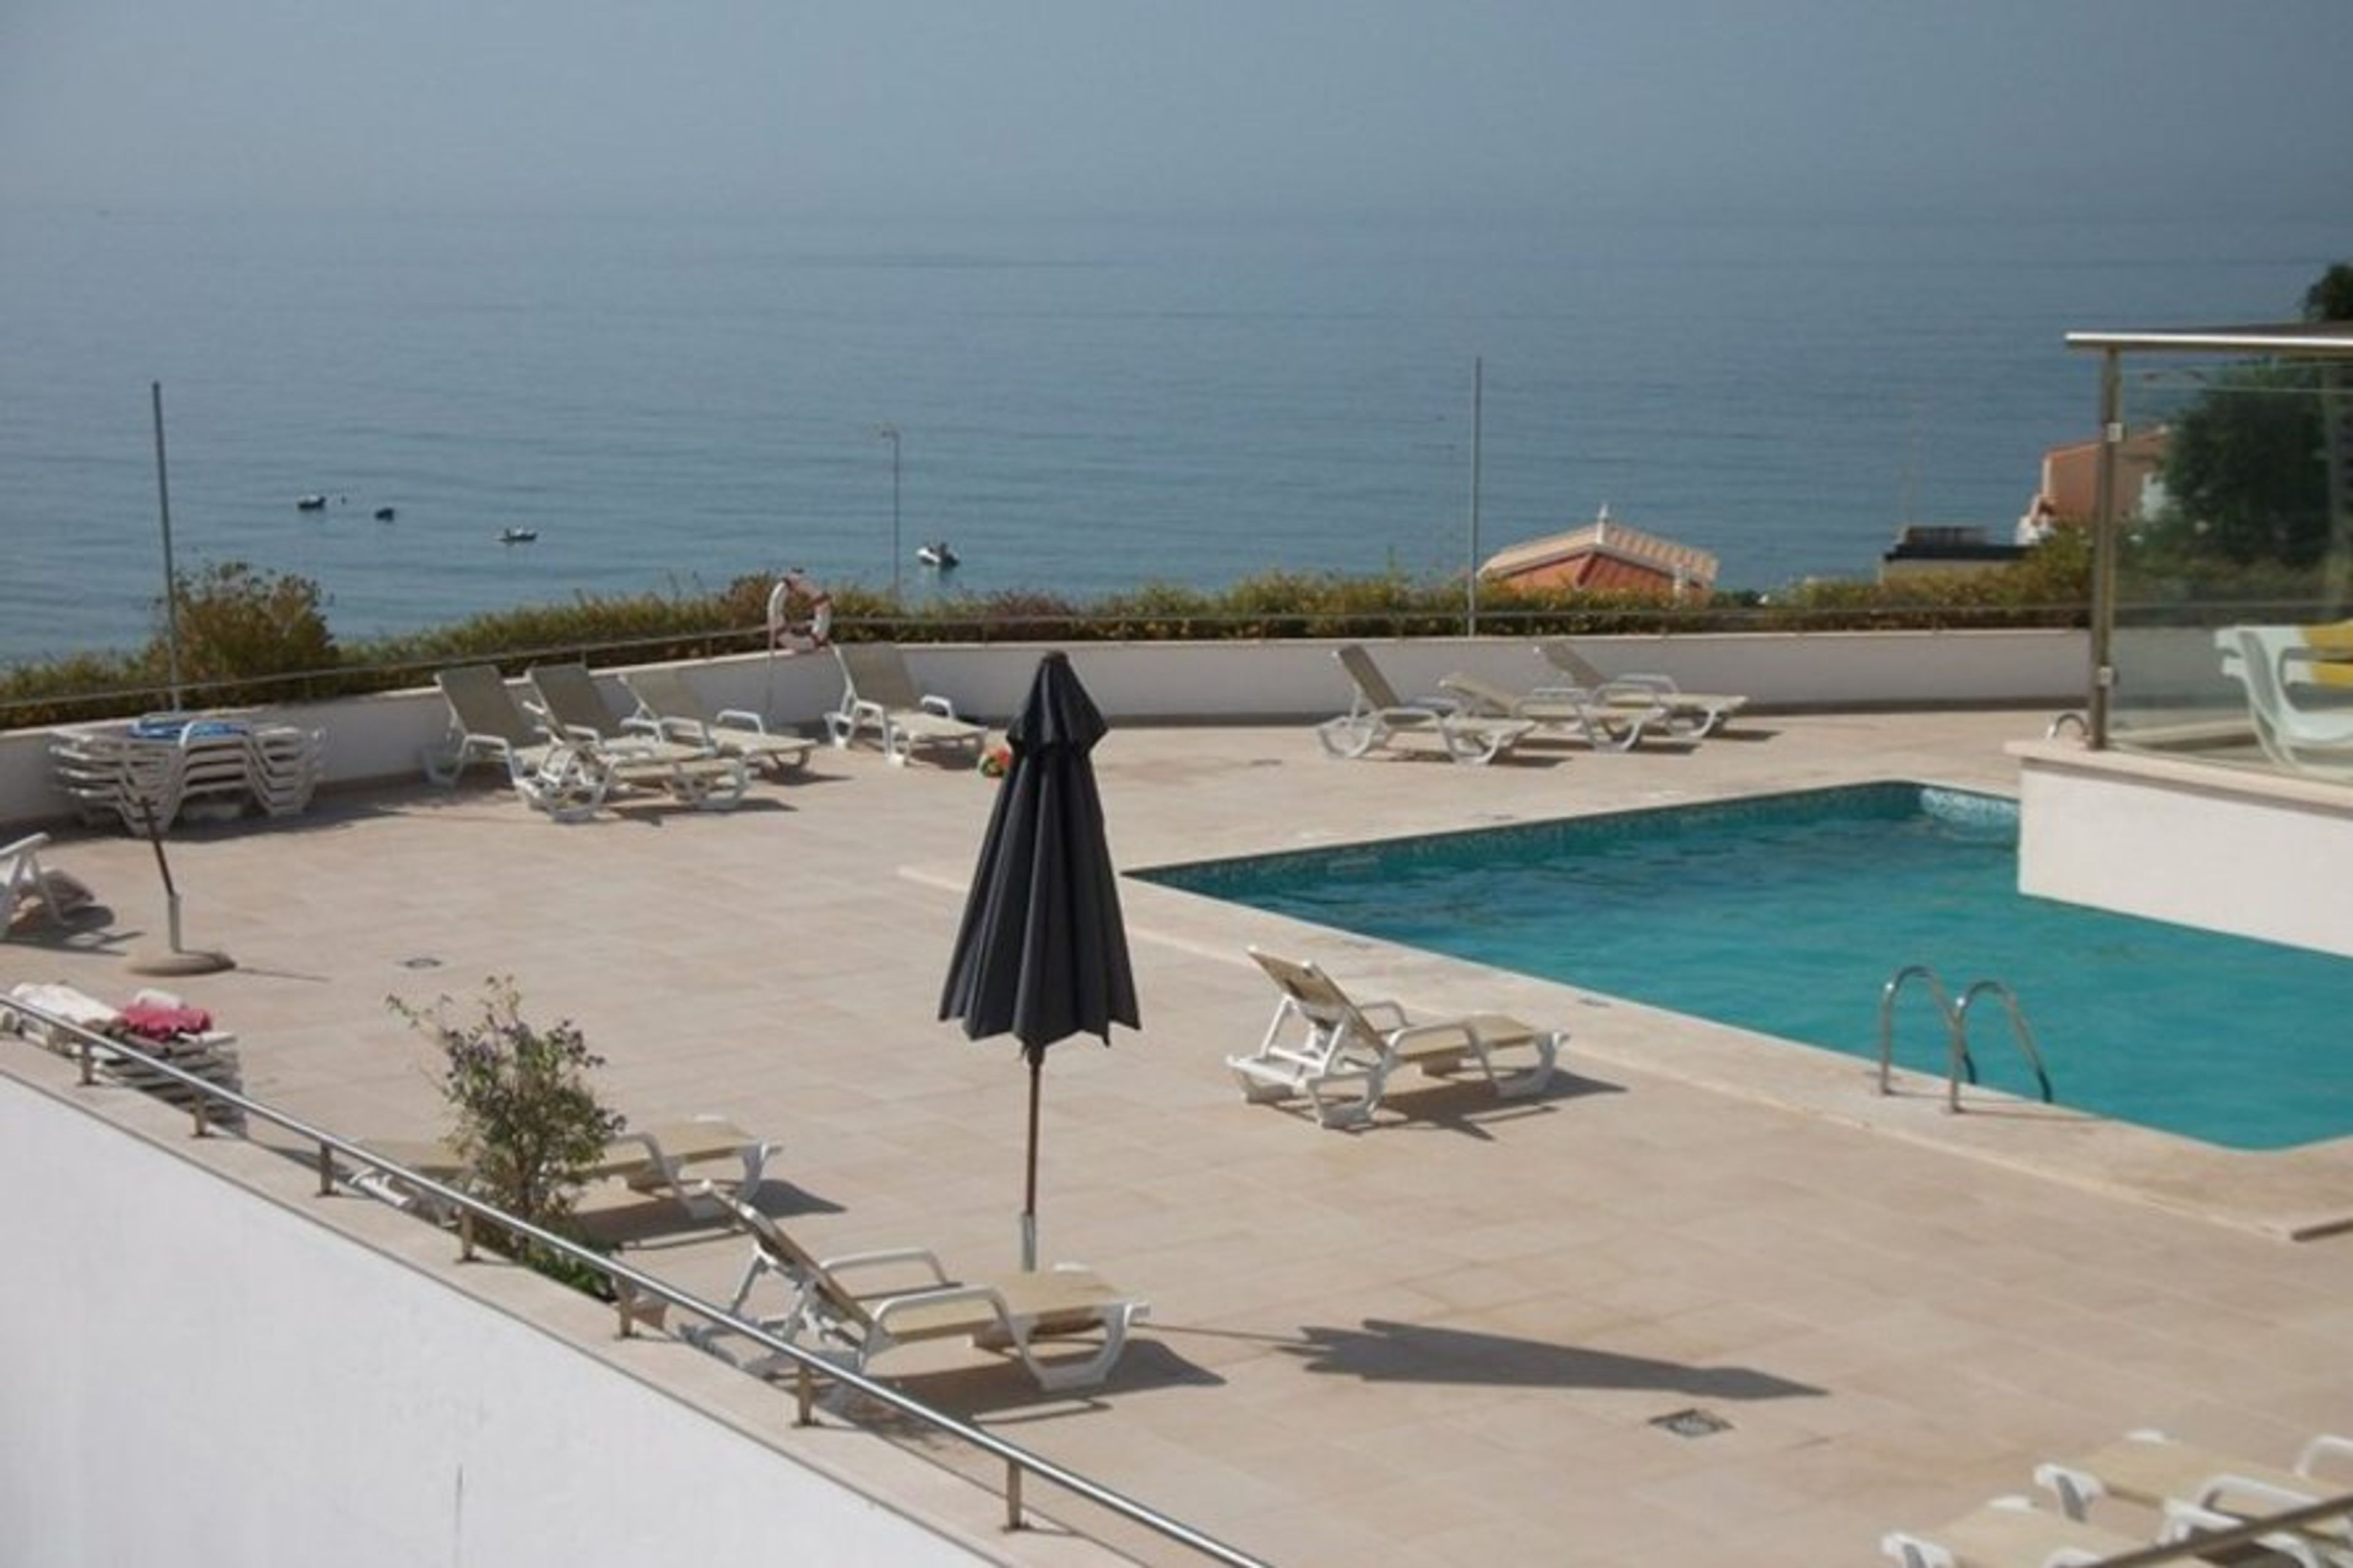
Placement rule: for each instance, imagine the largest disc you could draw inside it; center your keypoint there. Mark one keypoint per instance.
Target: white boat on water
(937, 552)
(517, 535)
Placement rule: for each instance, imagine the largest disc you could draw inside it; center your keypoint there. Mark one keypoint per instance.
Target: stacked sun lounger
(156, 1024)
(172, 766)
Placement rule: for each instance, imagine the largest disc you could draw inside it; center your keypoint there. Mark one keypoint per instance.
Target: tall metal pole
(1470, 579)
(171, 572)
(2104, 548)
(890, 433)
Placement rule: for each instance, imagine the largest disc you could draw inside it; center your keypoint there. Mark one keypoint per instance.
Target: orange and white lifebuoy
(800, 615)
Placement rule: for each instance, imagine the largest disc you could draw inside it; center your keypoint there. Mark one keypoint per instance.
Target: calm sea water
(1083, 405)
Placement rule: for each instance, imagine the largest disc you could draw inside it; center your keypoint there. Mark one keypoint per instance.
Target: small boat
(383, 514)
(517, 535)
(937, 552)
(310, 503)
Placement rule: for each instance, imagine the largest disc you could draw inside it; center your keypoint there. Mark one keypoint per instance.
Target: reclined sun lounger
(2273, 663)
(1693, 713)
(633, 752)
(568, 776)
(29, 889)
(2151, 1469)
(878, 692)
(824, 1312)
(1604, 726)
(667, 699)
(1377, 715)
(659, 1159)
(2012, 1532)
(1339, 1055)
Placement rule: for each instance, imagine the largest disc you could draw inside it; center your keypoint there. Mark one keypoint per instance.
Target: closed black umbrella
(1042, 953)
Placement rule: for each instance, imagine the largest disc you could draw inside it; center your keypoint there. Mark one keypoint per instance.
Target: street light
(890, 433)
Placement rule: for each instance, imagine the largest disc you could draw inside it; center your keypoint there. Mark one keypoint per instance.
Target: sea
(1077, 404)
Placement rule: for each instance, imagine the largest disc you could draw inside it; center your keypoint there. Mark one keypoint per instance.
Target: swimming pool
(1787, 914)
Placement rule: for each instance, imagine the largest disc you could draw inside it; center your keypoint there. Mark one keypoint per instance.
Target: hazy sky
(1091, 105)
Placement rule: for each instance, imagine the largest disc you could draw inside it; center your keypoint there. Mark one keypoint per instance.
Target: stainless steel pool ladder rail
(1959, 1063)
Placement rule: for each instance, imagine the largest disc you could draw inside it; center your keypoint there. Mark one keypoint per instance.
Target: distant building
(2070, 483)
(1924, 548)
(1606, 557)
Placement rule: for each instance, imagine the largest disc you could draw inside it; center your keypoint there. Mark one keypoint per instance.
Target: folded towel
(158, 1021)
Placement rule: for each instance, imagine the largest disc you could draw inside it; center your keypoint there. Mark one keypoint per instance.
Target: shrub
(526, 1122)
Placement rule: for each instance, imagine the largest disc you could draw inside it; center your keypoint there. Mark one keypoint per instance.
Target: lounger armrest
(929, 703)
(1664, 685)
(2325, 1446)
(743, 717)
(882, 1256)
(683, 729)
(882, 1309)
(2227, 1484)
(647, 725)
(1385, 1009)
(1436, 703)
(1634, 687)
(2076, 1489)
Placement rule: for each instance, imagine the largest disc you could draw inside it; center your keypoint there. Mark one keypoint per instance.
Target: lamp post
(890, 433)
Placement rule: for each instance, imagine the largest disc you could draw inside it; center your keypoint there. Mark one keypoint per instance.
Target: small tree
(238, 622)
(529, 1126)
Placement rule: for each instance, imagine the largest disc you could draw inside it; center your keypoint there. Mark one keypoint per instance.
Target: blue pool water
(1787, 914)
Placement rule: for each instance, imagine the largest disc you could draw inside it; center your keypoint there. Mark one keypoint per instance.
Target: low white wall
(374, 739)
(2257, 855)
(195, 1375)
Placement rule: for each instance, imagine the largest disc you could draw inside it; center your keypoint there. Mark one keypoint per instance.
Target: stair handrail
(2020, 1030)
(1957, 1044)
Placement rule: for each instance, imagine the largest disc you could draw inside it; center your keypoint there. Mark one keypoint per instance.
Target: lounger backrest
(666, 694)
(877, 673)
(1368, 676)
(799, 1263)
(1484, 692)
(478, 696)
(569, 694)
(1318, 996)
(1573, 664)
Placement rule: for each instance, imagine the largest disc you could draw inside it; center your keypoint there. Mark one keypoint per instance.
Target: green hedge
(249, 637)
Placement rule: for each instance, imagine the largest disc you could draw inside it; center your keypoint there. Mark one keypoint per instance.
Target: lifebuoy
(800, 615)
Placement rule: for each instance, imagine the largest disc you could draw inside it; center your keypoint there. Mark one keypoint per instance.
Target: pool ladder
(1958, 1063)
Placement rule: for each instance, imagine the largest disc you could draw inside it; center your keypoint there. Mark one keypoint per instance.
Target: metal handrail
(630, 1284)
(1957, 1043)
(2019, 1028)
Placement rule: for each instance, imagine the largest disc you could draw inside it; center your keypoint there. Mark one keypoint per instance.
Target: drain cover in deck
(1692, 1423)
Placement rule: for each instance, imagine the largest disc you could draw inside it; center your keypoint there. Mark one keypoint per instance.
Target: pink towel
(152, 1022)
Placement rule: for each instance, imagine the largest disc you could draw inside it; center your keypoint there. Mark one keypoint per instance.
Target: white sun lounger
(824, 1312)
(1338, 1054)
(1694, 713)
(668, 700)
(1377, 715)
(878, 692)
(1570, 709)
(28, 887)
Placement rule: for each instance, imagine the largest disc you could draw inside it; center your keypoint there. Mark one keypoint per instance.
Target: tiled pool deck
(1444, 1339)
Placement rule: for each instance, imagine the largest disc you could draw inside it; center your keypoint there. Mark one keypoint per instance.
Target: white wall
(2236, 851)
(194, 1375)
(374, 739)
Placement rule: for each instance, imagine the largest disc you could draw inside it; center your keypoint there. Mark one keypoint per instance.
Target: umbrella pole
(1036, 1055)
